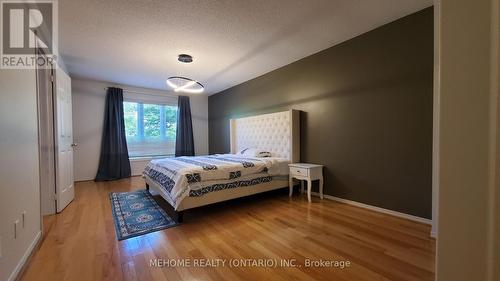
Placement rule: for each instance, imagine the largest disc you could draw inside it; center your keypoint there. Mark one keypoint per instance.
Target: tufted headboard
(277, 132)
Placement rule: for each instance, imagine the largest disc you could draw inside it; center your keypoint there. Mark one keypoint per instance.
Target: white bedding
(178, 176)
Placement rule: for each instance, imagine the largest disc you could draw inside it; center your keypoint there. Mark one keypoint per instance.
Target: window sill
(148, 158)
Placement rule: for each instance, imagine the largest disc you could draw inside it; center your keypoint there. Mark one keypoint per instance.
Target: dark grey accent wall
(367, 113)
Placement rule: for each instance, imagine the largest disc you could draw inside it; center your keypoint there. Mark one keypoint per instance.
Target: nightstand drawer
(299, 171)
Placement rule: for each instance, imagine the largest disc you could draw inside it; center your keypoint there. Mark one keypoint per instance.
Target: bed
(190, 182)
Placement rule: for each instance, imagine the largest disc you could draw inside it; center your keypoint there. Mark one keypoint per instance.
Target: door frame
(44, 203)
(436, 117)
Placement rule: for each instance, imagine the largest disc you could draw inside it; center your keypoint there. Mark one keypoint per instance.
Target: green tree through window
(130, 113)
(152, 120)
(171, 121)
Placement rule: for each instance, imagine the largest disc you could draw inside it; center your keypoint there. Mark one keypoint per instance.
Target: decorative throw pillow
(264, 154)
(242, 152)
(255, 152)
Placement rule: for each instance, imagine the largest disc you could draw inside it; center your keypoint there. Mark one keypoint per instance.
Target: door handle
(74, 145)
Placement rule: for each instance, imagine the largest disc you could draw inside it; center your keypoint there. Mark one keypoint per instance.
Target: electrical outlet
(23, 215)
(16, 228)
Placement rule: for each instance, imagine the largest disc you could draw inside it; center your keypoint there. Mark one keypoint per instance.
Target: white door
(65, 191)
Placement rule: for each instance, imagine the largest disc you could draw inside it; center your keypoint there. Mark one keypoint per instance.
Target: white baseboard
(377, 209)
(13, 276)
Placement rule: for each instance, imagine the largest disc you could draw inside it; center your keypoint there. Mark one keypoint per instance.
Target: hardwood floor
(80, 243)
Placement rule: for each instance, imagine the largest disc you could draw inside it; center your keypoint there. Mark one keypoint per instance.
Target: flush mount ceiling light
(185, 85)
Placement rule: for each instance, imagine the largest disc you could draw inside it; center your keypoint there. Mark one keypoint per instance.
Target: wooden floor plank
(80, 243)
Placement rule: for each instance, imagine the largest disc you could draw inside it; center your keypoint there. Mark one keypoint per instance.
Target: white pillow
(255, 152)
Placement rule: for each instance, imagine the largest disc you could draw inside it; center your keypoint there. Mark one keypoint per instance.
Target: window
(150, 129)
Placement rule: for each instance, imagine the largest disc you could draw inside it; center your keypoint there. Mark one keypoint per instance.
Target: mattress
(195, 176)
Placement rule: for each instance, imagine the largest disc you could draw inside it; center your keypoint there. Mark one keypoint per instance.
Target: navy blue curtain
(113, 163)
(184, 144)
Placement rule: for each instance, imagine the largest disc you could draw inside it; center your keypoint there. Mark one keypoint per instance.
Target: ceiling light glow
(185, 85)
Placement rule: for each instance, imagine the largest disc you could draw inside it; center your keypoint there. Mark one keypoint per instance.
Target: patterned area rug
(137, 213)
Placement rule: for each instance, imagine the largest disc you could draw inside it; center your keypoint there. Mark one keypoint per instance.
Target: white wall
(88, 117)
(19, 174)
(468, 137)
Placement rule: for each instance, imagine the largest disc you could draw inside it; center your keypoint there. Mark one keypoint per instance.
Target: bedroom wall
(367, 113)
(19, 173)
(88, 118)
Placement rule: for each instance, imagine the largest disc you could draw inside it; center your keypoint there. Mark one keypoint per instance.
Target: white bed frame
(277, 132)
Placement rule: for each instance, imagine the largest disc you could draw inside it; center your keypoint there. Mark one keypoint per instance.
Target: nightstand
(306, 172)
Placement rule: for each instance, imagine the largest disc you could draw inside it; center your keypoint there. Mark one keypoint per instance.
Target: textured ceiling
(137, 42)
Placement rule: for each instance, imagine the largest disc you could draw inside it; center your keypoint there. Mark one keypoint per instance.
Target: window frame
(152, 100)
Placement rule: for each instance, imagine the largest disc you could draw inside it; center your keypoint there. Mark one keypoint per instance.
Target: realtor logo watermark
(26, 26)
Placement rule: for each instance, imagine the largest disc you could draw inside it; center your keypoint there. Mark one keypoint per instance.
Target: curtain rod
(144, 93)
